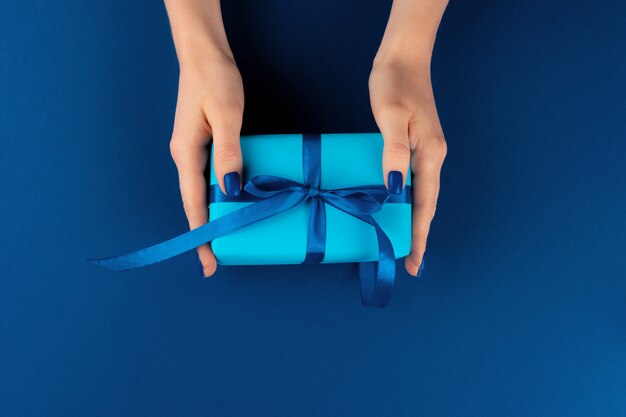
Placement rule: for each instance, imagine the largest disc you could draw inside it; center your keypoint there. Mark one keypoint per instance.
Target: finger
(227, 151)
(426, 166)
(189, 151)
(393, 123)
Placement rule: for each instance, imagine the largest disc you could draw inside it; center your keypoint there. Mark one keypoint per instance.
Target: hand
(404, 108)
(210, 107)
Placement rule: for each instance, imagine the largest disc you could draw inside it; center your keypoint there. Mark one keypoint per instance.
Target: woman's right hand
(209, 108)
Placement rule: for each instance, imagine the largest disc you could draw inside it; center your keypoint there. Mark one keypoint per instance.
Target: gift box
(346, 160)
(309, 198)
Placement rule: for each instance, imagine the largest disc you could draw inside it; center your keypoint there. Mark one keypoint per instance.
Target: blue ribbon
(273, 195)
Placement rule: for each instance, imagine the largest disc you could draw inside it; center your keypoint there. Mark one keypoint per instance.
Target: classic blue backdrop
(522, 307)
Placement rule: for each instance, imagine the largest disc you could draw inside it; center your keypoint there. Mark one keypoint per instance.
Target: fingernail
(394, 182)
(201, 267)
(232, 183)
(421, 268)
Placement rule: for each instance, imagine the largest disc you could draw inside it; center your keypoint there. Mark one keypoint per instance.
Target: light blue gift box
(347, 160)
(341, 211)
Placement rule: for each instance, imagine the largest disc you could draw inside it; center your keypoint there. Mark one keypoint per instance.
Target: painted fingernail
(421, 268)
(232, 183)
(394, 182)
(200, 267)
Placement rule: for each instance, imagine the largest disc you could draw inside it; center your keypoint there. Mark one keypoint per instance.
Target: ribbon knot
(314, 192)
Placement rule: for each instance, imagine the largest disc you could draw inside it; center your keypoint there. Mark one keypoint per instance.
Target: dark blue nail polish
(232, 183)
(421, 268)
(200, 267)
(394, 182)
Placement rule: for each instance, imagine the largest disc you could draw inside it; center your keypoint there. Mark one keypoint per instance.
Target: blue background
(522, 306)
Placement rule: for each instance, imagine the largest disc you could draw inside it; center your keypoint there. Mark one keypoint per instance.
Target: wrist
(410, 34)
(198, 32)
(196, 55)
(404, 52)
(413, 60)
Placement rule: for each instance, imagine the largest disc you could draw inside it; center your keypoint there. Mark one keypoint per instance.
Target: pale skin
(211, 101)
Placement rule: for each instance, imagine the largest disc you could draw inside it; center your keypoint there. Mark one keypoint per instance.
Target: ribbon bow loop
(265, 186)
(359, 201)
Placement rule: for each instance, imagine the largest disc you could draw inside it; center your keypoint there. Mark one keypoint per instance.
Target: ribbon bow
(274, 195)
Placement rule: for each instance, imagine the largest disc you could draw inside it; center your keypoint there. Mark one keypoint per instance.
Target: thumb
(394, 127)
(227, 158)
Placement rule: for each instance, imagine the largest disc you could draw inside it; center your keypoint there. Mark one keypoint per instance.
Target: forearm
(411, 31)
(198, 30)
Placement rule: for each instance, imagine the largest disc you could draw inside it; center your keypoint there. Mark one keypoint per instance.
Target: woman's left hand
(402, 100)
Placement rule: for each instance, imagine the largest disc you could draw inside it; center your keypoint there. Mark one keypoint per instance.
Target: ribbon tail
(190, 240)
(377, 278)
